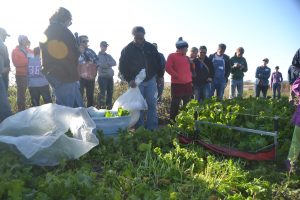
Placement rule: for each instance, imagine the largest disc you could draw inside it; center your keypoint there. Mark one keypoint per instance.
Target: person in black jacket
(204, 75)
(221, 65)
(137, 55)
(60, 53)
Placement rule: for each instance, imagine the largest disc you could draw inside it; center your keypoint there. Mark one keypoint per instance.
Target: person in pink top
(178, 66)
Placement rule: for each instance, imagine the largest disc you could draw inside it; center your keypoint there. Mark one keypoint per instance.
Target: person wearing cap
(137, 55)
(5, 75)
(276, 80)
(60, 56)
(105, 76)
(221, 63)
(238, 66)
(262, 76)
(293, 74)
(160, 84)
(179, 68)
(204, 75)
(87, 56)
(5, 110)
(20, 56)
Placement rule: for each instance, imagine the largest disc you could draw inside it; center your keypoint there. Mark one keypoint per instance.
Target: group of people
(66, 63)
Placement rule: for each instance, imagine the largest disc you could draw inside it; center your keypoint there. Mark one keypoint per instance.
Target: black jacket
(203, 72)
(60, 54)
(134, 58)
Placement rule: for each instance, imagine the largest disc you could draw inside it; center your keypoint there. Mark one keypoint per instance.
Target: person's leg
(257, 90)
(142, 112)
(35, 96)
(295, 145)
(265, 90)
(233, 85)
(45, 92)
(103, 87)
(110, 89)
(160, 89)
(197, 92)
(5, 110)
(212, 89)
(206, 90)
(90, 86)
(175, 102)
(274, 90)
(21, 91)
(5, 77)
(221, 89)
(240, 88)
(149, 95)
(279, 91)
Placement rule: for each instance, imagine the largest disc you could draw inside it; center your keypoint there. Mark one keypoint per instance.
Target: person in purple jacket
(276, 80)
(295, 144)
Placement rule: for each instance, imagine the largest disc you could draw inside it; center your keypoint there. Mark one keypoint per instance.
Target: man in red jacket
(178, 66)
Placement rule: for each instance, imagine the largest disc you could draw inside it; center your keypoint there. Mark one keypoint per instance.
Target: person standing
(5, 75)
(238, 67)
(105, 76)
(294, 151)
(293, 74)
(37, 83)
(20, 57)
(5, 110)
(178, 66)
(221, 65)
(138, 55)
(160, 84)
(276, 80)
(60, 55)
(262, 76)
(88, 56)
(204, 75)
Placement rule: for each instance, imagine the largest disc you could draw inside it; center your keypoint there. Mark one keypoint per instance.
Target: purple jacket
(296, 90)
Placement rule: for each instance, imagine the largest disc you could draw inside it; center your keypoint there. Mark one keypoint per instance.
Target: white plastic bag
(38, 133)
(133, 100)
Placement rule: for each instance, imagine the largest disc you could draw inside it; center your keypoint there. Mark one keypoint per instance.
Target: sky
(264, 28)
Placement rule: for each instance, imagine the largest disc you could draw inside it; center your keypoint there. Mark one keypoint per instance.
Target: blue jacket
(262, 75)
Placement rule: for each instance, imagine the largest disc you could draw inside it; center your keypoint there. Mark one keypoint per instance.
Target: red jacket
(20, 60)
(178, 66)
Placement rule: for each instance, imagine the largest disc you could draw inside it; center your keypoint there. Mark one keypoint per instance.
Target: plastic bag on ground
(133, 100)
(38, 133)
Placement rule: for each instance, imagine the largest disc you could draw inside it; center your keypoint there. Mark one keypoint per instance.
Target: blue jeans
(218, 85)
(276, 88)
(5, 110)
(148, 90)
(66, 94)
(202, 92)
(106, 85)
(263, 89)
(236, 85)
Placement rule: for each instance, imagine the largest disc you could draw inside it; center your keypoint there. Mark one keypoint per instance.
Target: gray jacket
(4, 59)
(106, 62)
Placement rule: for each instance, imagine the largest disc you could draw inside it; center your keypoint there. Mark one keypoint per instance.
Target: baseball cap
(266, 59)
(3, 32)
(103, 43)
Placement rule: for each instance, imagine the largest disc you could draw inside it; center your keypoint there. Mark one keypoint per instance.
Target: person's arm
(111, 61)
(244, 67)
(124, 66)
(227, 67)
(290, 75)
(257, 74)
(170, 67)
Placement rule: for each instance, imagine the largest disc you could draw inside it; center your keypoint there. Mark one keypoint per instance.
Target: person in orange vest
(20, 57)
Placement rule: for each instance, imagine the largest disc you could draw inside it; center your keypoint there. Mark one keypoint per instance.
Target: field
(155, 165)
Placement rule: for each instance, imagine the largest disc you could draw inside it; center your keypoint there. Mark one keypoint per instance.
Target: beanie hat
(22, 38)
(181, 43)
